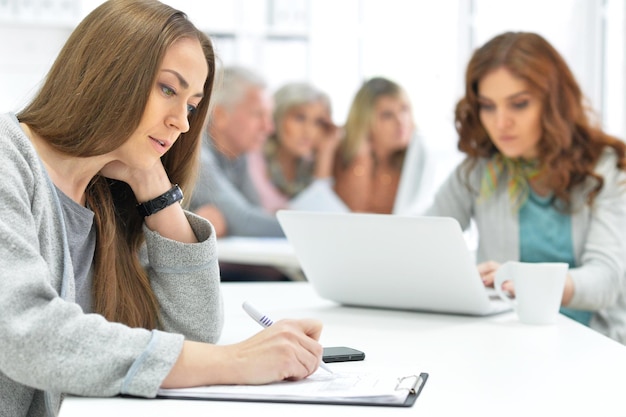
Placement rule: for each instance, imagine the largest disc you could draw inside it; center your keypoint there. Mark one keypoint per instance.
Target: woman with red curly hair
(541, 182)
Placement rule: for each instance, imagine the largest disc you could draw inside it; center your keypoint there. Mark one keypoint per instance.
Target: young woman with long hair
(108, 286)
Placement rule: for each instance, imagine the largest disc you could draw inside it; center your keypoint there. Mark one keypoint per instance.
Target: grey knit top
(48, 346)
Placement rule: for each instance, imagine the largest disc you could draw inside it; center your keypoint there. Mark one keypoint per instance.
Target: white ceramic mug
(538, 289)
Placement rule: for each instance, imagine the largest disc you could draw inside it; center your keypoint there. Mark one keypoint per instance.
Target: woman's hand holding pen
(289, 349)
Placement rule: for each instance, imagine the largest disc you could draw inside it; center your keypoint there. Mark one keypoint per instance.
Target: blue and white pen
(265, 321)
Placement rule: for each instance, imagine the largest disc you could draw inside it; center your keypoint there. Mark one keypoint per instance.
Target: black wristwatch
(166, 199)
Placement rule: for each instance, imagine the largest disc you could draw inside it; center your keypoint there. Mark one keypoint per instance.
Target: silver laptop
(389, 261)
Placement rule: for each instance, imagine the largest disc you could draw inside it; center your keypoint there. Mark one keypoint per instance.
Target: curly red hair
(570, 146)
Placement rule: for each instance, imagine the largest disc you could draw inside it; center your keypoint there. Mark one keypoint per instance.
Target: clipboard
(406, 391)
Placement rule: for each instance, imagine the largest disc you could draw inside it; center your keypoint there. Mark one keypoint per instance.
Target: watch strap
(157, 204)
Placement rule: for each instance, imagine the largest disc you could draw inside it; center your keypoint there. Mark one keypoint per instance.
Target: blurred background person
(370, 159)
(240, 123)
(300, 151)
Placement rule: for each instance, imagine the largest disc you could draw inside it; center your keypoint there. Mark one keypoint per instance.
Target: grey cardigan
(48, 346)
(598, 233)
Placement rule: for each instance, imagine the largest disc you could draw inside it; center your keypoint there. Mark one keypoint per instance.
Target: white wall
(27, 52)
(614, 68)
(336, 44)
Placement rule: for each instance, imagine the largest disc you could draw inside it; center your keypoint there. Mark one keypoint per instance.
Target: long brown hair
(91, 102)
(570, 146)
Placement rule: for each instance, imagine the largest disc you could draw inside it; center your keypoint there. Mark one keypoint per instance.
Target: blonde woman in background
(369, 162)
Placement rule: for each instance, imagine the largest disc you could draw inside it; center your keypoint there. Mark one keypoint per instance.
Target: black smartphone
(342, 354)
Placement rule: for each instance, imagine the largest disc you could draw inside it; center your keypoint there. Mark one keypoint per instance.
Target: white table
(493, 366)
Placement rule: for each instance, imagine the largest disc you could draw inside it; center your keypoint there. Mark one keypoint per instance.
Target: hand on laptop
(487, 271)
